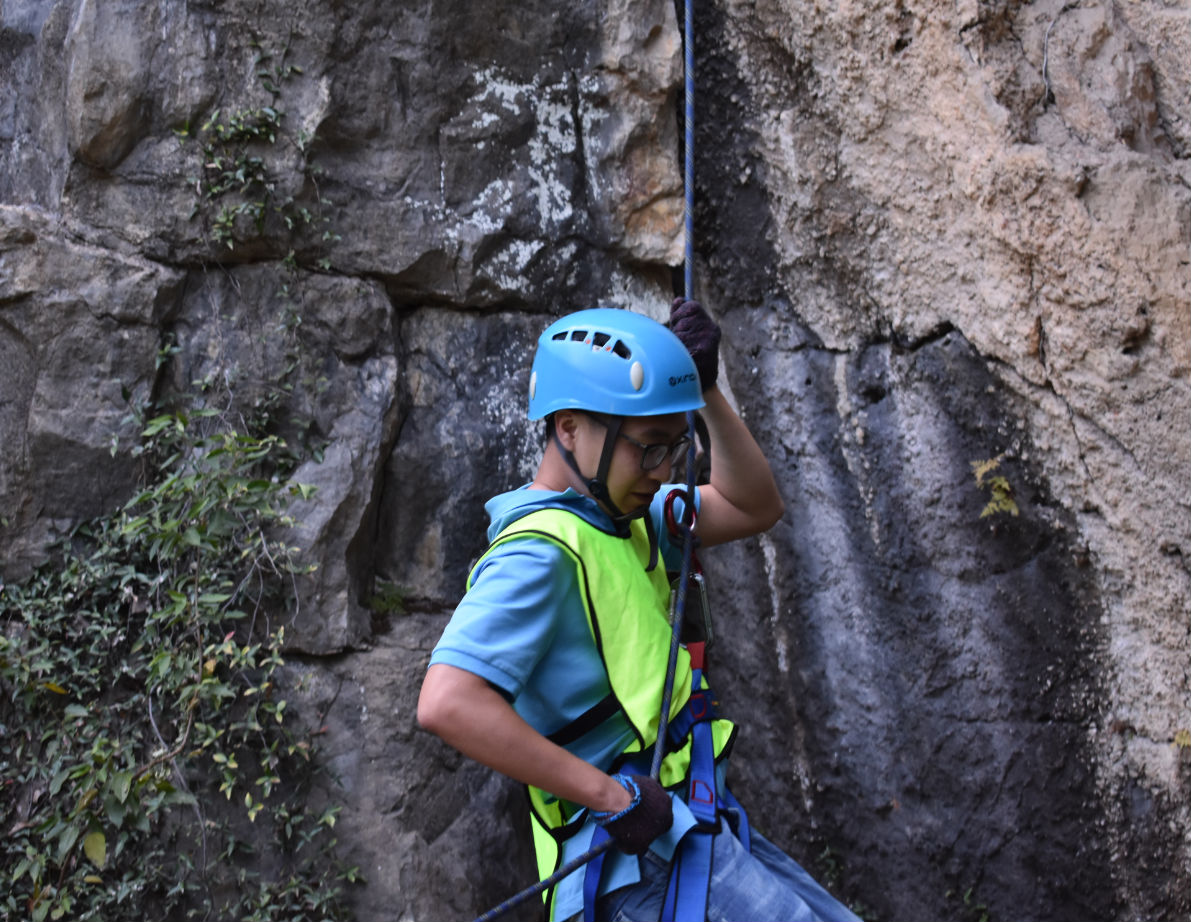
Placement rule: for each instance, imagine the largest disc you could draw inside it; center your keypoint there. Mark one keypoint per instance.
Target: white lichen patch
(507, 265)
(554, 141)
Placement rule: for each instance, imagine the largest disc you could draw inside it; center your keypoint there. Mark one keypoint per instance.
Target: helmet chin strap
(598, 486)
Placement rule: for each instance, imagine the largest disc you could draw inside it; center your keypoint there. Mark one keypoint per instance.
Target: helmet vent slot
(597, 340)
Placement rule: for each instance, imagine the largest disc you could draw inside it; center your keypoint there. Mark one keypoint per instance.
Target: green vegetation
(387, 598)
(147, 766)
(972, 909)
(257, 179)
(830, 874)
(150, 766)
(1000, 490)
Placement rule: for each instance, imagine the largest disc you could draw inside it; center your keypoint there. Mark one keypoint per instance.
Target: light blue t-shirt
(523, 628)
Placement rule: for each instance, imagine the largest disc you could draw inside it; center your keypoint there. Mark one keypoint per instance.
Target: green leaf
(95, 847)
(304, 490)
(121, 785)
(66, 841)
(157, 424)
(182, 798)
(56, 783)
(115, 811)
(192, 538)
(135, 525)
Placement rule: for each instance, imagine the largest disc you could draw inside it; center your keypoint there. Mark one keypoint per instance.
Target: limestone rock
(80, 329)
(314, 353)
(1011, 174)
(109, 48)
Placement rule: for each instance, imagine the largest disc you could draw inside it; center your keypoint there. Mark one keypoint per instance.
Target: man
(553, 666)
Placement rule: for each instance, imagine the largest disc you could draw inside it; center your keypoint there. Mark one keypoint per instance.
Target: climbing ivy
(148, 768)
(256, 177)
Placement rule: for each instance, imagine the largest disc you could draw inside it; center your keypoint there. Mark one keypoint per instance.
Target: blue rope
(679, 608)
(688, 540)
(688, 212)
(688, 173)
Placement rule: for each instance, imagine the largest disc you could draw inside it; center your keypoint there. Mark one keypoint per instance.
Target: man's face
(629, 486)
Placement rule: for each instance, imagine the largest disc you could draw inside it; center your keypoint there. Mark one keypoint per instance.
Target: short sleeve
(509, 617)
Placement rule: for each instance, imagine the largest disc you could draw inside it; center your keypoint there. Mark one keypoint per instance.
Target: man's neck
(555, 474)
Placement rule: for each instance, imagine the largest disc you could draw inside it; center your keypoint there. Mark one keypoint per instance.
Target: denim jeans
(764, 885)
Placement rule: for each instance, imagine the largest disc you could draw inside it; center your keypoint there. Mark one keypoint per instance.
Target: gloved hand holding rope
(691, 323)
(648, 816)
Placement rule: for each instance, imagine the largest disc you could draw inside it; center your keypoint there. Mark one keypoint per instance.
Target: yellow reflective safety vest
(627, 611)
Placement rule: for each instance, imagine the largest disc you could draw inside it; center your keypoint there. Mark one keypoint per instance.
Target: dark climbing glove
(647, 817)
(701, 336)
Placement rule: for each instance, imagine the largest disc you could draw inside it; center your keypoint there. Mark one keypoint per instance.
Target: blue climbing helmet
(612, 361)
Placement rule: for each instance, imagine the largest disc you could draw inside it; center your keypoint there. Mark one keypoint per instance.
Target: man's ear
(566, 427)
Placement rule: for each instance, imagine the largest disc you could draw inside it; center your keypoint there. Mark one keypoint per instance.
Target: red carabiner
(677, 526)
(673, 523)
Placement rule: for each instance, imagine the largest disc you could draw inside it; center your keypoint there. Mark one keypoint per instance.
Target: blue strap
(690, 875)
(591, 876)
(699, 707)
(701, 793)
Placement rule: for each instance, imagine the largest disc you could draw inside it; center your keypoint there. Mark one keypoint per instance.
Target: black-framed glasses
(652, 456)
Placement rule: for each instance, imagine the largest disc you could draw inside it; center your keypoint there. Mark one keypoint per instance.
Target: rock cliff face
(937, 237)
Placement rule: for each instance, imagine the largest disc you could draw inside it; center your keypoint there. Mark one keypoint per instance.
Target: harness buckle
(696, 621)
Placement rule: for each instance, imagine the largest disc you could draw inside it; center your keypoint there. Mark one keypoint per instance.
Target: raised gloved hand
(647, 817)
(701, 336)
